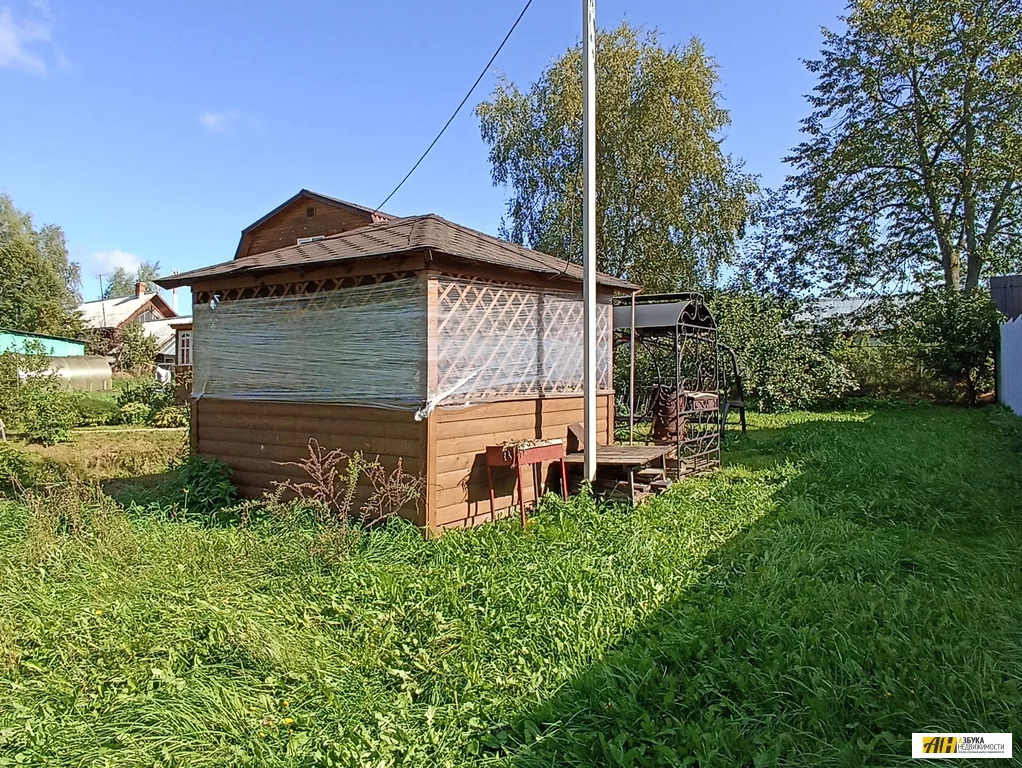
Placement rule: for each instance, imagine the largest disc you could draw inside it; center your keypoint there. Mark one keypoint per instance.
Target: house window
(310, 211)
(148, 316)
(184, 347)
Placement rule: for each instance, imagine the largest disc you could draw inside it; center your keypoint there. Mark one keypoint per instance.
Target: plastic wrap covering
(357, 346)
(503, 340)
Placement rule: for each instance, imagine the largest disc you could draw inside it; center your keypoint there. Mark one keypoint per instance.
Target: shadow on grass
(138, 490)
(879, 598)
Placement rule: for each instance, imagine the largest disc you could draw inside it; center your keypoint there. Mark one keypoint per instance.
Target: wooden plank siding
(462, 496)
(293, 222)
(254, 438)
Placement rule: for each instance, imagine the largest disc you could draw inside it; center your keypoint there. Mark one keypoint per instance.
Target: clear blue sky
(157, 131)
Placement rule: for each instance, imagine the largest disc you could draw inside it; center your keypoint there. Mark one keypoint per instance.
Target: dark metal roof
(652, 315)
(34, 335)
(1006, 291)
(393, 237)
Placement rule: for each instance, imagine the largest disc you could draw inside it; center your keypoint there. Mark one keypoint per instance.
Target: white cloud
(219, 122)
(20, 39)
(108, 261)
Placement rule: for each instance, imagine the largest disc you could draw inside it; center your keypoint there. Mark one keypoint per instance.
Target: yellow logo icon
(940, 745)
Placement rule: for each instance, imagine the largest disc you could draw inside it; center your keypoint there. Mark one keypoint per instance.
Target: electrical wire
(458, 109)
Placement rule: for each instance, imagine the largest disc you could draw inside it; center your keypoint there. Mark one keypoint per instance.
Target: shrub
(137, 349)
(134, 414)
(31, 399)
(96, 411)
(52, 417)
(17, 470)
(154, 395)
(955, 334)
(783, 365)
(171, 416)
(206, 491)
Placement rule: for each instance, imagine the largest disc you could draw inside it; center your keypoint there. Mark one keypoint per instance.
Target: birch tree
(671, 203)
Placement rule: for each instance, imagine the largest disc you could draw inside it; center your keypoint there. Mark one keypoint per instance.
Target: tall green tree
(912, 165)
(122, 282)
(39, 284)
(670, 203)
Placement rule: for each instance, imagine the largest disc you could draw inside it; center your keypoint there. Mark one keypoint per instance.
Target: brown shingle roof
(397, 236)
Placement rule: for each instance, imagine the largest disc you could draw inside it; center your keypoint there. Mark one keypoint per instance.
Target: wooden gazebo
(411, 338)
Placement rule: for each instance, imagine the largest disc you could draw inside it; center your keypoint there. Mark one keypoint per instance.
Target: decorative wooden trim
(155, 300)
(432, 289)
(453, 266)
(299, 288)
(411, 261)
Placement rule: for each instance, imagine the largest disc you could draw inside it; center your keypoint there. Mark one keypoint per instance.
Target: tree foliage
(38, 282)
(911, 167)
(137, 349)
(954, 334)
(783, 364)
(122, 282)
(31, 398)
(670, 203)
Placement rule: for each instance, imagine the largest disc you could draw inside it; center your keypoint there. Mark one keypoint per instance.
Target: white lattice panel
(497, 339)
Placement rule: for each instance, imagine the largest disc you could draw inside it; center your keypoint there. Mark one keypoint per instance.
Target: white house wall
(1010, 365)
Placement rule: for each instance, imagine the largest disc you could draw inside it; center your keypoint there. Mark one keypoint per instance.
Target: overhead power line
(458, 109)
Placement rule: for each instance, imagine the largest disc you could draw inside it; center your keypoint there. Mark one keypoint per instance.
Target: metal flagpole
(589, 227)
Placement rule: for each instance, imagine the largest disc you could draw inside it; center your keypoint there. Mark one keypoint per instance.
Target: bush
(96, 411)
(783, 366)
(204, 490)
(139, 401)
(955, 334)
(53, 415)
(137, 349)
(17, 470)
(171, 416)
(134, 414)
(32, 401)
(151, 393)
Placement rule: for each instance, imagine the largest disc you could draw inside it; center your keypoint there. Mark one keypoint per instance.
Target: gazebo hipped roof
(397, 236)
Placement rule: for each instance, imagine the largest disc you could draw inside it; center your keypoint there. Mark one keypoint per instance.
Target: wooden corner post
(431, 379)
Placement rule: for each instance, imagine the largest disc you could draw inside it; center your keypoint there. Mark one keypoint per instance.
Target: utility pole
(101, 297)
(589, 232)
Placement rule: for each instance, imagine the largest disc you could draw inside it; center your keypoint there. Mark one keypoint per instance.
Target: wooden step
(649, 475)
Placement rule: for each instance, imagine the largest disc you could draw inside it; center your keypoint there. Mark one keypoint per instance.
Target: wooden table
(531, 456)
(631, 458)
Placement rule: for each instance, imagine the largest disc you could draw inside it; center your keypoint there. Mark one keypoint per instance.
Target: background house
(166, 335)
(108, 316)
(306, 215)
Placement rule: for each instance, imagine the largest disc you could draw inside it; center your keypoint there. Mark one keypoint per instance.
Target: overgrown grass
(130, 455)
(848, 579)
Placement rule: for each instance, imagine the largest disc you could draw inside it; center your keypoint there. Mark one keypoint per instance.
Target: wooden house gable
(307, 214)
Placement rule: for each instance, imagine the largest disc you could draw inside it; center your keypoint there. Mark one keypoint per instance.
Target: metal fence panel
(1006, 291)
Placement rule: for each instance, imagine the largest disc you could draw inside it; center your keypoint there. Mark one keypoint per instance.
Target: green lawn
(848, 579)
